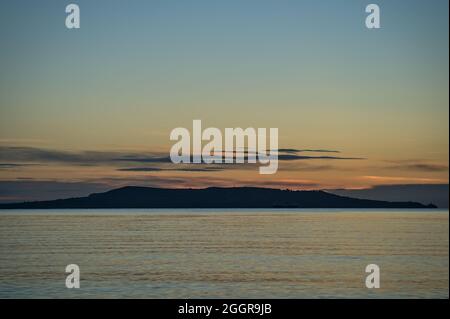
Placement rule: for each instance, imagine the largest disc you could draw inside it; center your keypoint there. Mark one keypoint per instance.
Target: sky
(91, 109)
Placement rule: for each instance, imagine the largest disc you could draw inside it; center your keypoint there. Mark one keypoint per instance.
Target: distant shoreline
(214, 197)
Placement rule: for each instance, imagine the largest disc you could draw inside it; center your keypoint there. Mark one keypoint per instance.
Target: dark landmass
(213, 197)
(422, 193)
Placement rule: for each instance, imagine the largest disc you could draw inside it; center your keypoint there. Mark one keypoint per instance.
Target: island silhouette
(212, 197)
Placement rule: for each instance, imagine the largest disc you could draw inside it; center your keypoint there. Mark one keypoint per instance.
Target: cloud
(145, 163)
(281, 157)
(401, 179)
(308, 167)
(293, 157)
(39, 155)
(420, 167)
(140, 169)
(294, 150)
(23, 141)
(143, 159)
(183, 169)
(12, 165)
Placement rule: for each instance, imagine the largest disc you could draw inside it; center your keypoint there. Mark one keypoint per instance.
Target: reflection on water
(224, 253)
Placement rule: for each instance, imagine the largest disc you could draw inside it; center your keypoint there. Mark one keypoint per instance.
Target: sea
(224, 253)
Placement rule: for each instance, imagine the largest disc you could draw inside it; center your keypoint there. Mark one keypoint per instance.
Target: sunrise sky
(90, 109)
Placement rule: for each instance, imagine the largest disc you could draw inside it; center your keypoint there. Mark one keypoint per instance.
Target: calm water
(224, 253)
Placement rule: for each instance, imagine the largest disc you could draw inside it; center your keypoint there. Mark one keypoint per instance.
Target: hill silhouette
(213, 197)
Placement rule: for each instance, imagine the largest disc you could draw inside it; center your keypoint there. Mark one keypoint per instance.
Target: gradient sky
(76, 105)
